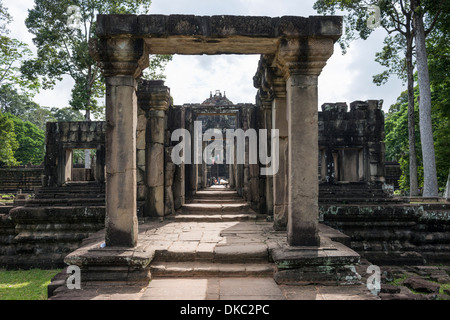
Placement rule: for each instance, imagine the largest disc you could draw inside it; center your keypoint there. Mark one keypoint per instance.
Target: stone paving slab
(216, 288)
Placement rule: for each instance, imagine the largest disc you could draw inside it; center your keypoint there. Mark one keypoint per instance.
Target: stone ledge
(111, 264)
(330, 264)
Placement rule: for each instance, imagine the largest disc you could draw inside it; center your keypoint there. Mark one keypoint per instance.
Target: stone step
(202, 269)
(216, 194)
(66, 195)
(215, 208)
(343, 200)
(436, 206)
(190, 252)
(236, 200)
(65, 202)
(221, 217)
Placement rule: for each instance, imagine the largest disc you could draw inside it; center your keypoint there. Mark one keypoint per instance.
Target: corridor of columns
(165, 217)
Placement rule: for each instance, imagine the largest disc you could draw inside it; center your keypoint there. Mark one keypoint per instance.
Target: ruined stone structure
(330, 164)
(26, 178)
(294, 49)
(64, 137)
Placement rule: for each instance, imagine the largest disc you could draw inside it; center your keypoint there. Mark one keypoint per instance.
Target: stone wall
(40, 237)
(61, 139)
(394, 234)
(351, 143)
(20, 178)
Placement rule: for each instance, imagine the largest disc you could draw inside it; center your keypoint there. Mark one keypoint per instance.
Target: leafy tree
(438, 47)
(30, 139)
(5, 18)
(66, 114)
(62, 30)
(12, 52)
(21, 105)
(407, 24)
(8, 142)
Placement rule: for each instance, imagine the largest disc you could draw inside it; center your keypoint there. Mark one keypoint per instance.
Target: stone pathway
(215, 248)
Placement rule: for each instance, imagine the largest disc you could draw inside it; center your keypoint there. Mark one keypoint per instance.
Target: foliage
(66, 114)
(8, 142)
(31, 141)
(25, 285)
(396, 140)
(12, 52)
(64, 49)
(5, 18)
(407, 23)
(21, 105)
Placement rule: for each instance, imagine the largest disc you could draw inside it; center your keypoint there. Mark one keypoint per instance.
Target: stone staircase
(357, 194)
(236, 249)
(215, 205)
(53, 224)
(83, 194)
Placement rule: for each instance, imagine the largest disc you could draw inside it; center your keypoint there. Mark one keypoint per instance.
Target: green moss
(398, 281)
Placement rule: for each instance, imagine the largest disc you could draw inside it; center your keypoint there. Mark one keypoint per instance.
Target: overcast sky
(346, 78)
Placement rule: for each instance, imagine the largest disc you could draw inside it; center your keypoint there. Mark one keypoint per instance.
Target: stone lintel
(189, 34)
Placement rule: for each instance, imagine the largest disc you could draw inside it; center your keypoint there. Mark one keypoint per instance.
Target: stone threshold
(331, 263)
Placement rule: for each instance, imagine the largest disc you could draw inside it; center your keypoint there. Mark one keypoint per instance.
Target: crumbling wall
(61, 138)
(394, 234)
(351, 143)
(20, 178)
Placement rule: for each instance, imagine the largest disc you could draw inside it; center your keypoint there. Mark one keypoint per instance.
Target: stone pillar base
(332, 263)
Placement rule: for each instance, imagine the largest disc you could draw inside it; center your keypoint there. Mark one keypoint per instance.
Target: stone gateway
(294, 49)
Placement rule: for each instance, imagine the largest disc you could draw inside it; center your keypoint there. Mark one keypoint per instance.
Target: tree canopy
(62, 30)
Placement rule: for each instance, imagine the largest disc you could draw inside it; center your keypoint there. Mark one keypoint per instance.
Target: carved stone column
(154, 98)
(277, 84)
(122, 61)
(301, 61)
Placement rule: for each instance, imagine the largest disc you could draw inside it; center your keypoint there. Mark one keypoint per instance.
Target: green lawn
(25, 285)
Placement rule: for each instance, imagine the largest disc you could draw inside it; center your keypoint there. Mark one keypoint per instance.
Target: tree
(66, 114)
(401, 20)
(21, 105)
(30, 139)
(12, 52)
(8, 142)
(5, 18)
(420, 9)
(62, 30)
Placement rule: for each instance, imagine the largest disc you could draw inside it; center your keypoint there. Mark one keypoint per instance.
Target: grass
(25, 285)
(445, 286)
(399, 282)
(7, 198)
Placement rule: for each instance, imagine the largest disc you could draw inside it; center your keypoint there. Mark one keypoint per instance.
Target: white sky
(346, 78)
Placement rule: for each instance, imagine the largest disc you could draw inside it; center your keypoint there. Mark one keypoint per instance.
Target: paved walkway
(217, 289)
(215, 248)
(182, 243)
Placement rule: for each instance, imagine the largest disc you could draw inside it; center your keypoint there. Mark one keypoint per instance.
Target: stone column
(280, 189)
(281, 179)
(266, 119)
(154, 98)
(301, 61)
(176, 118)
(122, 61)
